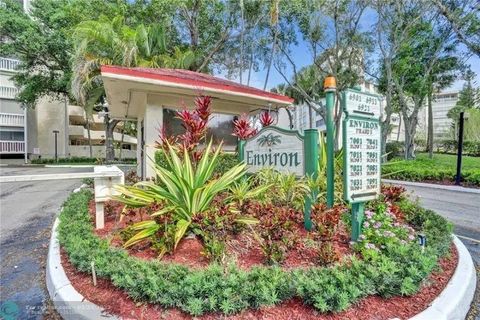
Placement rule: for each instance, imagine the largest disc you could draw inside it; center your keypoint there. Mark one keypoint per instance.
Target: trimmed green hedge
(80, 160)
(441, 168)
(225, 161)
(229, 290)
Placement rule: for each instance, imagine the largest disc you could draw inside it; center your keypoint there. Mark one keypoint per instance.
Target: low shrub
(80, 160)
(393, 149)
(441, 168)
(225, 161)
(396, 270)
(471, 148)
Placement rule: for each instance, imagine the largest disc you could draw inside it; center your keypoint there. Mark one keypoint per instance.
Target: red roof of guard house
(194, 79)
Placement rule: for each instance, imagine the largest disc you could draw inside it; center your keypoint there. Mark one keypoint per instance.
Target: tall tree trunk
(410, 131)
(386, 125)
(121, 142)
(272, 55)
(250, 65)
(430, 126)
(336, 120)
(399, 126)
(242, 31)
(109, 147)
(310, 120)
(90, 149)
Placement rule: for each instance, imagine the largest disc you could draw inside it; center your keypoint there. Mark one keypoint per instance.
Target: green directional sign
(362, 152)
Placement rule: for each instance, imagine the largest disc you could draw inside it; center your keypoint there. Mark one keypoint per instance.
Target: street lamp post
(55, 132)
(458, 177)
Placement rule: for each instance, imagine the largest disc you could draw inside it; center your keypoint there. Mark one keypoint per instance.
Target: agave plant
(185, 190)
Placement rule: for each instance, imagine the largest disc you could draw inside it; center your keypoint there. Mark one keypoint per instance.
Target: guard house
(151, 96)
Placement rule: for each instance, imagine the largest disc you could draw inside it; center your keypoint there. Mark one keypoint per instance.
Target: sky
(302, 58)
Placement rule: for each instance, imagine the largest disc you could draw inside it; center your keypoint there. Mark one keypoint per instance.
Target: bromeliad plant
(185, 189)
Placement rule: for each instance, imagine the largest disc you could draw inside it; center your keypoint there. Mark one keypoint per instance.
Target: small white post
(99, 216)
(104, 190)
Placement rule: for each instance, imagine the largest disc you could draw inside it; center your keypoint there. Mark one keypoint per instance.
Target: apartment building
(441, 104)
(53, 124)
(12, 115)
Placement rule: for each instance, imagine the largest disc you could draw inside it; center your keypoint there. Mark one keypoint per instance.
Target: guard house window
(220, 127)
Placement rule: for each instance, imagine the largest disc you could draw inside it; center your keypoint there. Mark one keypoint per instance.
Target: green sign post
(286, 151)
(330, 88)
(362, 152)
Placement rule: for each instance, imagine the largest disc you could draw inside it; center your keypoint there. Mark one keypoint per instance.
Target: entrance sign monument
(282, 150)
(362, 152)
(286, 151)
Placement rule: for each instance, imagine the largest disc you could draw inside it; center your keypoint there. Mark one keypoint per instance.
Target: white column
(152, 123)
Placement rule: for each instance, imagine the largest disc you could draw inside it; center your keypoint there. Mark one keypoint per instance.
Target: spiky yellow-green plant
(185, 190)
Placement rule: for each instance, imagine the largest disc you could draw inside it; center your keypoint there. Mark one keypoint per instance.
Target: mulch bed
(248, 254)
(242, 247)
(117, 302)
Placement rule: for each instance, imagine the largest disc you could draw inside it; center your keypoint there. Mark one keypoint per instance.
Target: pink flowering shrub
(381, 229)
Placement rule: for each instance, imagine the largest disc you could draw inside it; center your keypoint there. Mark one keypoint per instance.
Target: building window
(320, 123)
(220, 127)
(11, 135)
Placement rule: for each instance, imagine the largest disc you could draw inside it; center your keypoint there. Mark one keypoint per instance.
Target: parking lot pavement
(27, 211)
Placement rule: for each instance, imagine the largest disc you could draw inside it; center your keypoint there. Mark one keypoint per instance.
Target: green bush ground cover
(398, 270)
(441, 167)
(81, 160)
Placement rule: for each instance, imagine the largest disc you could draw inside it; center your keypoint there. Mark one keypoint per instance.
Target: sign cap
(329, 83)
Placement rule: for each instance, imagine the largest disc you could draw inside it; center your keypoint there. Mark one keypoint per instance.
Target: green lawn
(441, 168)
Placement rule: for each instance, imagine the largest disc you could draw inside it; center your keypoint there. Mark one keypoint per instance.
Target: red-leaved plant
(195, 124)
(393, 193)
(266, 119)
(242, 128)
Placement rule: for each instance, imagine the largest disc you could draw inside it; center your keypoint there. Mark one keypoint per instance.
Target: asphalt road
(27, 211)
(461, 208)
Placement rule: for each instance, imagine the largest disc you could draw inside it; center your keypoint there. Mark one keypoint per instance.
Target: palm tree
(112, 42)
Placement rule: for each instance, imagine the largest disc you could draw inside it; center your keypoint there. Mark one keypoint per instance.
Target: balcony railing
(8, 92)
(12, 119)
(7, 64)
(12, 147)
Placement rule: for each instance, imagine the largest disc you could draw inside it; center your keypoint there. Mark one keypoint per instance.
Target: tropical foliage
(395, 270)
(184, 190)
(242, 128)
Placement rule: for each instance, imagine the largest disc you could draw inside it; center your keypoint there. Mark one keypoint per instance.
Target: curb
(85, 165)
(68, 302)
(454, 301)
(433, 186)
